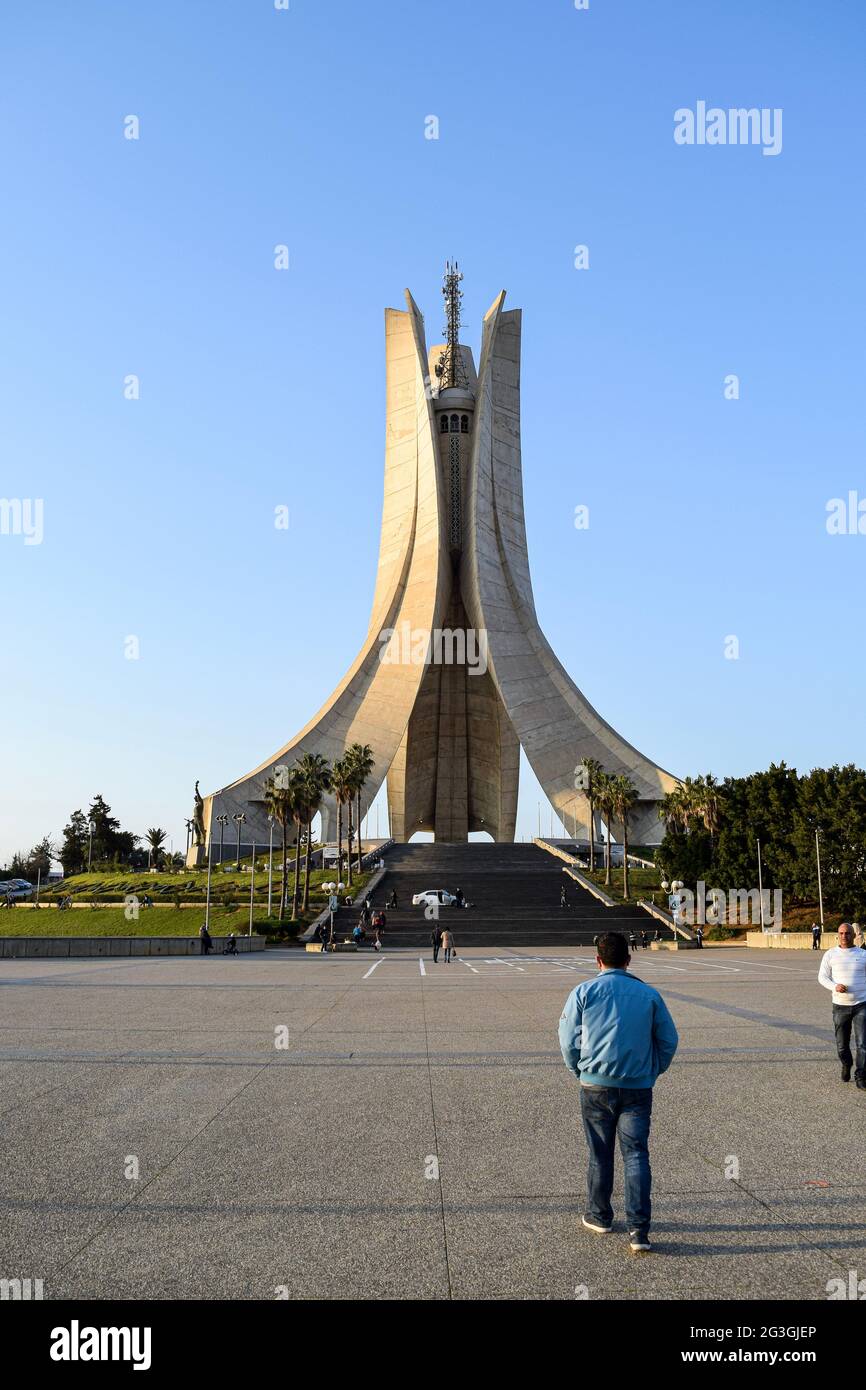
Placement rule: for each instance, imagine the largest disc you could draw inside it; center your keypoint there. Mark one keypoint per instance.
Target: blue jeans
(848, 1018)
(609, 1111)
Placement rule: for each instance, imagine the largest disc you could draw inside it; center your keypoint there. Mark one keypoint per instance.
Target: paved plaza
(311, 1168)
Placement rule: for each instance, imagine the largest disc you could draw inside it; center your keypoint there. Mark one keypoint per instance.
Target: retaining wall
(17, 947)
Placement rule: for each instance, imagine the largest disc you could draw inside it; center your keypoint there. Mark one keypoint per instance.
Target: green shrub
(720, 933)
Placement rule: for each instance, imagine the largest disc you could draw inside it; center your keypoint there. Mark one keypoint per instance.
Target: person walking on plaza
(843, 972)
(447, 944)
(616, 1036)
(436, 941)
(699, 937)
(206, 942)
(563, 897)
(816, 936)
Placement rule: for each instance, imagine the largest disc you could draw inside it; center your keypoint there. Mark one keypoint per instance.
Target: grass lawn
(111, 921)
(191, 886)
(642, 883)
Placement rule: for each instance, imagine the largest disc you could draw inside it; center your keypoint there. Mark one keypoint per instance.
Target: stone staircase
(514, 890)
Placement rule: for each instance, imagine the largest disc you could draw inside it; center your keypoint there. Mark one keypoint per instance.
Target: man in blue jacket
(617, 1036)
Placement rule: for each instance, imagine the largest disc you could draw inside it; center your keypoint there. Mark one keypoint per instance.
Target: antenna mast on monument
(450, 369)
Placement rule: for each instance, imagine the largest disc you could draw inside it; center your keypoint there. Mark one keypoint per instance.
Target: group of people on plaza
(442, 941)
(617, 1037)
(370, 926)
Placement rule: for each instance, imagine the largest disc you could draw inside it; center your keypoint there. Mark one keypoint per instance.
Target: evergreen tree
(73, 848)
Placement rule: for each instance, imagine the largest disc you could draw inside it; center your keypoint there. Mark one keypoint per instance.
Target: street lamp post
(252, 887)
(239, 818)
(190, 826)
(207, 898)
(222, 822)
(820, 894)
(92, 829)
(760, 886)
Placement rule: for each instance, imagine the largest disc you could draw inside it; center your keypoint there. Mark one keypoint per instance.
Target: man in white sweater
(843, 972)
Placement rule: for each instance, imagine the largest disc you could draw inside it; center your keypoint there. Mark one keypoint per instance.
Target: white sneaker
(639, 1244)
(596, 1226)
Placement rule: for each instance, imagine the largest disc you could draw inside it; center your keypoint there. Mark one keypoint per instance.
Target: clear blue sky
(155, 257)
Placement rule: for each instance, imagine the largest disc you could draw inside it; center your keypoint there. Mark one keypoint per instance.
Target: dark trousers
(608, 1112)
(848, 1018)
(435, 951)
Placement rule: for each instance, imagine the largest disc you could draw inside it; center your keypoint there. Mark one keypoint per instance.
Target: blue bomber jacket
(615, 1030)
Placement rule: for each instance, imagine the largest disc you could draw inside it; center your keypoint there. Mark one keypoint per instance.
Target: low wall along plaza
(17, 947)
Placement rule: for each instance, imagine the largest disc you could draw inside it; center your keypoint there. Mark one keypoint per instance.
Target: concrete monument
(455, 675)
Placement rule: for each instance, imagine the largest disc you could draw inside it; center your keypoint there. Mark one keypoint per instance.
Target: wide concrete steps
(514, 891)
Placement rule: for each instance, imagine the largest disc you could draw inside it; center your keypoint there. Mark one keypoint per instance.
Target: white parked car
(433, 895)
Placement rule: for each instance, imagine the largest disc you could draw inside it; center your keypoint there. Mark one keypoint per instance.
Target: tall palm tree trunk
(591, 837)
(625, 857)
(607, 856)
(349, 841)
(339, 839)
(283, 883)
(360, 855)
(297, 869)
(307, 865)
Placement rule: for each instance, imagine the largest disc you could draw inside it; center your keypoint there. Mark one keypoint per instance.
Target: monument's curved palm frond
(555, 723)
(372, 704)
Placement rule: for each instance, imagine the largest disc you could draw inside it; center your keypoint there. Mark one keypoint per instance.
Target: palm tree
(693, 800)
(350, 828)
(625, 794)
(342, 788)
(672, 809)
(361, 763)
(156, 838)
(298, 803)
(315, 774)
(278, 803)
(592, 773)
(709, 805)
(605, 802)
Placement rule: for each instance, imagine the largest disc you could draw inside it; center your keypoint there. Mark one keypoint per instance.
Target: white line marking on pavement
(707, 965)
(372, 968)
(421, 965)
(468, 966)
(765, 965)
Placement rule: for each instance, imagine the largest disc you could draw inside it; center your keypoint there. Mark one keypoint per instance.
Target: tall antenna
(449, 368)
